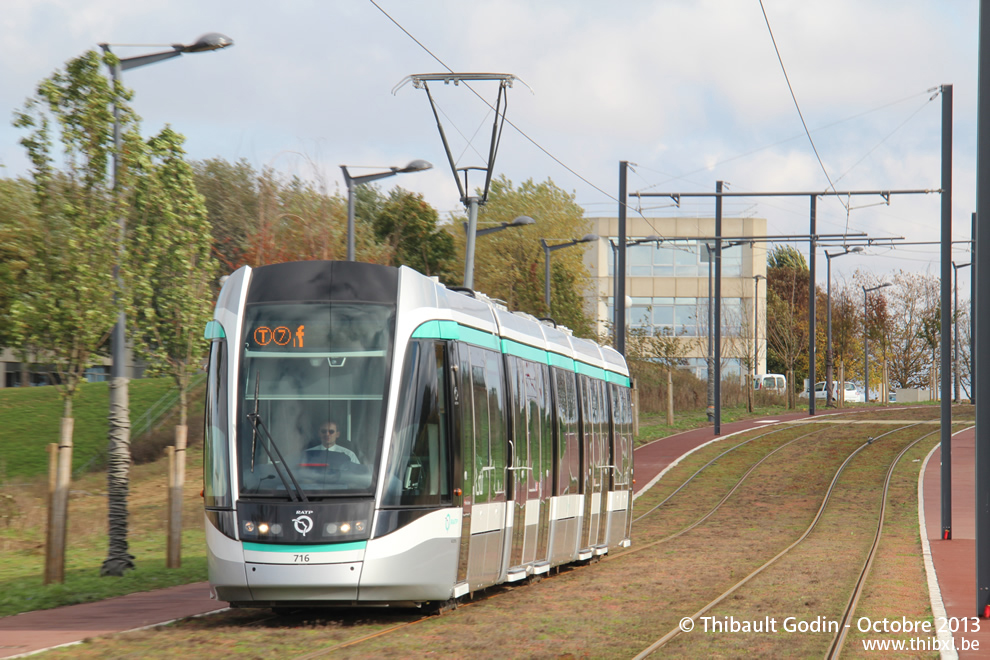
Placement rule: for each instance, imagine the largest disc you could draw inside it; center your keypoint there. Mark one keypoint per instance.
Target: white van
(774, 383)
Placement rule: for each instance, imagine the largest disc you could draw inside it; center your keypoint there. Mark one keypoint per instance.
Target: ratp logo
(303, 524)
(450, 521)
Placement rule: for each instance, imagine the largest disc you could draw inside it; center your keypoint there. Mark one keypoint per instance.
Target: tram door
(620, 510)
(595, 463)
(483, 441)
(531, 470)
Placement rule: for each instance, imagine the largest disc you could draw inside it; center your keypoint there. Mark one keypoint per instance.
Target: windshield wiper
(256, 421)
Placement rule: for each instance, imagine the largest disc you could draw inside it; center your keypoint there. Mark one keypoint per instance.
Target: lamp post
(618, 317)
(955, 322)
(354, 181)
(119, 418)
(828, 334)
(547, 249)
(521, 221)
(756, 337)
(866, 339)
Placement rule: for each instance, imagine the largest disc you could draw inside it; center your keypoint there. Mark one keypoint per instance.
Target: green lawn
(30, 420)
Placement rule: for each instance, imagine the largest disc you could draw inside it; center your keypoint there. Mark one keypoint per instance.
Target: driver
(329, 433)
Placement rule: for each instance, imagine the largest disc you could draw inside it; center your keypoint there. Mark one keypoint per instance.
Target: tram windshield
(316, 375)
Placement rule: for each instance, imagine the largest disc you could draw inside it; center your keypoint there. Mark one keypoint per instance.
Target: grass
(22, 534)
(616, 608)
(30, 418)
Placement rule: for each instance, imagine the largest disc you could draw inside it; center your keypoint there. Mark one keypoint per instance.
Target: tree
(409, 228)
(509, 265)
(67, 306)
(262, 218)
(18, 229)
(169, 240)
(846, 336)
(913, 302)
(231, 198)
(787, 316)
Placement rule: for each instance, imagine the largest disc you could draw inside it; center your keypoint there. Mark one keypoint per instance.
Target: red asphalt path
(954, 560)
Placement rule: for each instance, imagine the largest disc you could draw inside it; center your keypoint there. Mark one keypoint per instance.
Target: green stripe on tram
(453, 330)
(588, 370)
(561, 361)
(510, 347)
(301, 549)
(618, 379)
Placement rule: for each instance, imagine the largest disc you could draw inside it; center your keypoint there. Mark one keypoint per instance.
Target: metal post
(620, 289)
(709, 361)
(350, 215)
(812, 248)
(829, 357)
(469, 252)
(718, 309)
(955, 333)
(546, 275)
(866, 347)
(981, 370)
(945, 380)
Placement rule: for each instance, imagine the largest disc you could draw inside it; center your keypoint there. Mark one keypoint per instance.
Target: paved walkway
(954, 561)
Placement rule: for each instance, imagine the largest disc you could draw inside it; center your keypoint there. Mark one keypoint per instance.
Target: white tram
(484, 446)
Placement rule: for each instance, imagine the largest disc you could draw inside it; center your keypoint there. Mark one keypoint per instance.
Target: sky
(689, 92)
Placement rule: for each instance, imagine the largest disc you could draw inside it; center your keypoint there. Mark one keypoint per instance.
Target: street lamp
(866, 338)
(955, 321)
(828, 305)
(119, 417)
(756, 328)
(521, 221)
(353, 181)
(620, 323)
(547, 249)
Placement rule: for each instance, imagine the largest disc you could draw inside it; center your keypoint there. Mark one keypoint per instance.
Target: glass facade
(675, 260)
(685, 316)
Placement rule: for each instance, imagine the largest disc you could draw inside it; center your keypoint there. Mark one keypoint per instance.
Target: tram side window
(531, 417)
(216, 463)
(418, 468)
(623, 439)
(568, 443)
(482, 423)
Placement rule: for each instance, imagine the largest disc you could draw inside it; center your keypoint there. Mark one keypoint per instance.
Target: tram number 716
(301, 559)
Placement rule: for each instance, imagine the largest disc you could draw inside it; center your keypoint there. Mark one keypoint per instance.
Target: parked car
(852, 394)
(775, 383)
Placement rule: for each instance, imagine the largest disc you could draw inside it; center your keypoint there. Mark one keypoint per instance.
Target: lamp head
(209, 41)
(588, 238)
(417, 165)
(522, 221)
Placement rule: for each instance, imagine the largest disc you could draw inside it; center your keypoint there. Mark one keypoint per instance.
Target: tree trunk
(670, 397)
(177, 478)
(58, 515)
(841, 389)
(118, 480)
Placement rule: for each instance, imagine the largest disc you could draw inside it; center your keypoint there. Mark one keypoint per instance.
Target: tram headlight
(330, 529)
(359, 526)
(263, 528)
(276, 529)
(345, 528)
(249, 527)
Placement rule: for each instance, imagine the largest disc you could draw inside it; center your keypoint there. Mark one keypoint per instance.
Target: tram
(374, 438)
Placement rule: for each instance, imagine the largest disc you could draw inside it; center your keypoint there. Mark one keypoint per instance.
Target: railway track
(696, 523)
(370, 627)
(835, 647)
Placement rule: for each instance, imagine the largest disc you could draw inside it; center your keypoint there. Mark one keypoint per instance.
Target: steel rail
(814, 523)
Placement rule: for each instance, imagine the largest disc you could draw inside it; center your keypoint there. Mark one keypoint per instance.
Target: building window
(675, 260)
